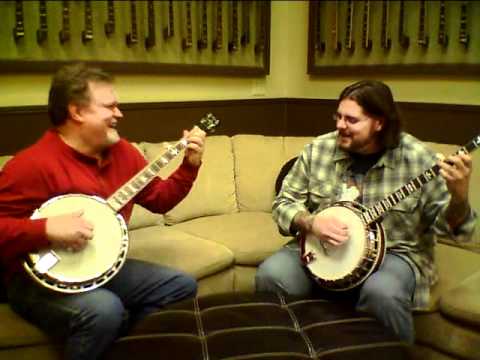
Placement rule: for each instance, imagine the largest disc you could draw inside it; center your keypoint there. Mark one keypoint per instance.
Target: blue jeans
(387, 294)
(93, 320)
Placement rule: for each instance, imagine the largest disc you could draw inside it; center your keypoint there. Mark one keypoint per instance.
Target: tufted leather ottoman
(258, 326)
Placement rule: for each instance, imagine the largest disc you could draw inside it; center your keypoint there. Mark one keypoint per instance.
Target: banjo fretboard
(376, 211)
(136, 184)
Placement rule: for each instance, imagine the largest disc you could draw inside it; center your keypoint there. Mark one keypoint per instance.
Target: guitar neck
(42, 32)
(168, 31)
(366, 41)
(150, 40)
(375, 212)
(18, 30)
(110, 24)
(132, 38)
(132, 187)
(202, 42)
(64, 33)
(337, 46)
(87, 34)
(349, 43)
(233, 43)
(385, 40)
(403, 39)
(442, 31)
(260, 42)
(319, 43)
(464, 37)
(187, 40)
(128, 191)
(217, 42)
(245, 38)
(422, 35)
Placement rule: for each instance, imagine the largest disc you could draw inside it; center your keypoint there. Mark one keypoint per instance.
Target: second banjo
(347, 266)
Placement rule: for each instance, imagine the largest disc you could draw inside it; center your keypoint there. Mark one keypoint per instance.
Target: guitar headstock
(208, 123)
(473, 144)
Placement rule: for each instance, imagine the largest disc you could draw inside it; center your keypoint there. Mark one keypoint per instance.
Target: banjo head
(346, 266)
(98, 262)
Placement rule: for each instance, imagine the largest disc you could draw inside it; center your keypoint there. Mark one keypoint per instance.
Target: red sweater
(50, 168)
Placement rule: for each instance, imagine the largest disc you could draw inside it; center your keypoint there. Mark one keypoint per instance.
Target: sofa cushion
(462, 303)
(258, 160)
(251, 236)
(15, 331)
(142, 217)
(174, 248)
(454, 265)
(213, 192)
(4, 159)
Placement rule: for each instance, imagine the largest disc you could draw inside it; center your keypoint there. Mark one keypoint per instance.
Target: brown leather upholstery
(258, 326)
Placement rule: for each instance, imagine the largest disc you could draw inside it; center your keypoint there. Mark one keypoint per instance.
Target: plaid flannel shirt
(316, 181)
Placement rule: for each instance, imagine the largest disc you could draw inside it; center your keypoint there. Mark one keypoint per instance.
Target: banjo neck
(136, 184)
(375, 212)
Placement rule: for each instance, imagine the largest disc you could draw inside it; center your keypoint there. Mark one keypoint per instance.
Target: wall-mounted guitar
(385, 41)
(217, 42)
(464, 36)
(349, 42)
(337, 45)
(105, 254)
(150, 40)
(19, 29)
(366, 41)
(132, 37)
(403, 39)
(261, 27)
(245, 38)
(87, 34)
(202, 42)
(168, 31)
(422, 33)
(442, 25)
(42, 32)
(233, 43)
(109, 26)
(187, 39)
(319, 44)
(346, 266)
(64, 33)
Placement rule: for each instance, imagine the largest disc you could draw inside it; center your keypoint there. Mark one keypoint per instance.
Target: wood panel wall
(154, 122)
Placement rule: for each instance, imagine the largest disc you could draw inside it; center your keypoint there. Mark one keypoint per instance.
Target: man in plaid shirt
(365, 160)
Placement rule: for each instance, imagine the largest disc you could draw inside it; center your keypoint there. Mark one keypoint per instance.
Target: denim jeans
(90, 322)
(386, 294)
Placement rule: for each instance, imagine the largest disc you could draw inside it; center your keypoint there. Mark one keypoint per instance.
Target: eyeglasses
(348, 119)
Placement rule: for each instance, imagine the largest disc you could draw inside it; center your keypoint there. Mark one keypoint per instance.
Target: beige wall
(287, 77)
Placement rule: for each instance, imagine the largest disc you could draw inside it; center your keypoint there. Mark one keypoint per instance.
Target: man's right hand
(329, 229)
(69, 232)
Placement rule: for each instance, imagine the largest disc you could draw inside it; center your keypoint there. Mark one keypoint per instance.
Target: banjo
(75, 272)
(344, 267)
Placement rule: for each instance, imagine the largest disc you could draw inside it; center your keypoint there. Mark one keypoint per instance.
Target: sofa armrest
(462, 302)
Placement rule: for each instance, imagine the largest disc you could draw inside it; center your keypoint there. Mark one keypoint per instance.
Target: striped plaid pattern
(321, 171)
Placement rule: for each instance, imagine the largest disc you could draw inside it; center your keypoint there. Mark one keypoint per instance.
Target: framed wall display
(414, 37)
(205, 37)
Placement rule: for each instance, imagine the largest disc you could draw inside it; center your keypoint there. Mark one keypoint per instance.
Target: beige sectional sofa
(224, 229)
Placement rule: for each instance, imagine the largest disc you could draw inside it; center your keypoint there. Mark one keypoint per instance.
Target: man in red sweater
(83, 154)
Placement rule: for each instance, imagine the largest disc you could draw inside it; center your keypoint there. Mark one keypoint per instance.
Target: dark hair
(376, 100)
(70, 85)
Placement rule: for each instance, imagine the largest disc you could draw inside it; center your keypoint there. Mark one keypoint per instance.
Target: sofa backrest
(258, 160)
(213, 192)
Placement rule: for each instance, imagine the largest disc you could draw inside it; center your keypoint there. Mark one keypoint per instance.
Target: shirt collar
(62, 146)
